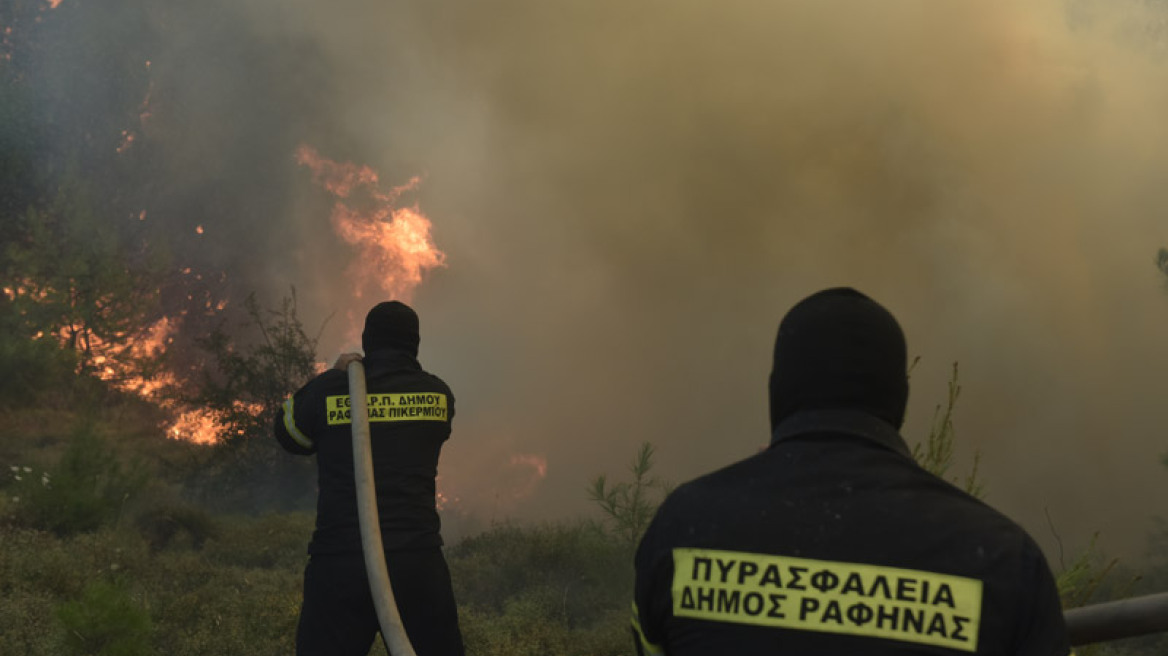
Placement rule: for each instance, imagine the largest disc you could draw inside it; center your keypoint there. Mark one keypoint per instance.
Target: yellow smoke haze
(631, 194)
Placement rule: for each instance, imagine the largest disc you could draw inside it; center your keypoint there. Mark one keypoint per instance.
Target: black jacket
(834, 541)
(410, 413)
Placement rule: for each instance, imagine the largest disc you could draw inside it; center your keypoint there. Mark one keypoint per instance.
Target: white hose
(387, 616)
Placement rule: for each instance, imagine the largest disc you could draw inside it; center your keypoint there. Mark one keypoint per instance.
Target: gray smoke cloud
(630, 196)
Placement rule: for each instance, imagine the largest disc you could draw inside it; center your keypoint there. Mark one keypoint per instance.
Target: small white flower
(15, 499)
(28, 470)
(14, 468)
(17, 477)
(114, 566)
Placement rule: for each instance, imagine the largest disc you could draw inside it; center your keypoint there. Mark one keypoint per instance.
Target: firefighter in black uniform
(410, 413)
(833, 540)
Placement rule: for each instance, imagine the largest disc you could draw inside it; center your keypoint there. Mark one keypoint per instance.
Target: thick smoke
(630, 195)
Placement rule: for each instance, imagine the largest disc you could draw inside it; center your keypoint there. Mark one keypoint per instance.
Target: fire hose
(1126, 618)
(388, 618)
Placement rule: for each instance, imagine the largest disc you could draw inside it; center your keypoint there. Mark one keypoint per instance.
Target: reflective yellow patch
(397, 406)
(826, 596)
(290, 424)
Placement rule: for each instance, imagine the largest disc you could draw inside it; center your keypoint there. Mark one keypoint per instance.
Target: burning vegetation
(393, 244)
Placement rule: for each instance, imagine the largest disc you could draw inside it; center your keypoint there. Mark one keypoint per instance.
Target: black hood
(839, 349)
(391, 325)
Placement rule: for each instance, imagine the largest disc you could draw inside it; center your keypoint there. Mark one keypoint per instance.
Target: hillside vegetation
(103, 552)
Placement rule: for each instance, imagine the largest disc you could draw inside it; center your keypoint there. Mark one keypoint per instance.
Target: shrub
(85, 489)
(558, 588)
(162, 525)
(630, 506)
(32, 368)
(105, 621)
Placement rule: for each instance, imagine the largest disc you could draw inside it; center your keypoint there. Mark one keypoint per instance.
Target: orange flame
(443, 501)
(537, 466)
(196, 425)
(115, 364)
(394, 243)
(144, 112)
(128, 138)
(6, 43)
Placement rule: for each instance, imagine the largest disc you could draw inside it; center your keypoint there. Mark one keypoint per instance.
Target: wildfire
(536, 466)
(6, 43)
(442, 500)
(112, 362)
(394, 243)
(118, 364)
(197, 425)
(129, 136)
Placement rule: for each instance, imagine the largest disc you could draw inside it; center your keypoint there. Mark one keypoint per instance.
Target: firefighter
(410, 413)
(834, 540)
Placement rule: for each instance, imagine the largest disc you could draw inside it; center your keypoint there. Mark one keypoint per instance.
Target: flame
(537, 463)
(537, 471)
(127, 141)
(117, 363)
(129, 136)
(151, 345)
(26, 287)
(198, 426)
(6, 43)
(442, 501)
(195, 425)
(394, 243)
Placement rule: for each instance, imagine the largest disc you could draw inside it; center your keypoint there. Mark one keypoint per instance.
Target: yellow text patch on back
(826, 596)
(395, 406)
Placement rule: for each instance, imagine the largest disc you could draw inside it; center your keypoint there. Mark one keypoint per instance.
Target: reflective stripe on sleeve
(647, 648)
(290, 425)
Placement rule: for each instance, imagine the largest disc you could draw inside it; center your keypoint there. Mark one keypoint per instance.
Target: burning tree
(241, 386)
(249, 383)
(67, 277)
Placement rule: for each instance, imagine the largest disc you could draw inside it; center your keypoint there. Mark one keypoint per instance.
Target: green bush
(105, 621)
(167, 524)
(561, 588)
(86, 489)
(630, 506)
(32, 368)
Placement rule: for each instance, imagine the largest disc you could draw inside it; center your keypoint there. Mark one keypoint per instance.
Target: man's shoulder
(423, 380)
(436, 379)
(327, 382)
(753, 487)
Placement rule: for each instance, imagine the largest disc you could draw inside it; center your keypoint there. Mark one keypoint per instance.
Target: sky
(630, 196)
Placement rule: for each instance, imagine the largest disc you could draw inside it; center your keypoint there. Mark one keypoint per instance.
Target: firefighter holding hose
(409, 418)
(834, 540)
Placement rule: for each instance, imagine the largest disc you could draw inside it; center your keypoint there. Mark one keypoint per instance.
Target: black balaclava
(391, 325)
(839, 349)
